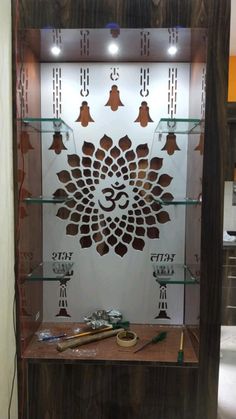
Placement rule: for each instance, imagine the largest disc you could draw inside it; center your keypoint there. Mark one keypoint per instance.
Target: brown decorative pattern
(114, 99)
(84, 116)
(170, 145)
(113, 205)
(57, 143)
(25, 144)
(200, 146)
(143, 116)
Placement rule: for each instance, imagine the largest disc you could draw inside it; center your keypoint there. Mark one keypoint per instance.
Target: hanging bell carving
(143, 116)
(200, 146)
(84, 116)
(25, 144)
(114, 99)
(57, 143)
(171, 145)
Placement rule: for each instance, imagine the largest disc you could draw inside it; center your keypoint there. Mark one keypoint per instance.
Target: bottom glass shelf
(169, 273)
(47, 271)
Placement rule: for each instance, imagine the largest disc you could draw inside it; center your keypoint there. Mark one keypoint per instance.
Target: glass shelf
(47, 271)
(178, 201)
(170, 273)
(45, 125)
(46, 199)
(180, 126)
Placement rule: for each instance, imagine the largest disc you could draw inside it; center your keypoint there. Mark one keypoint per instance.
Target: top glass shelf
(180, 126)
(46, 125)
(170, 273)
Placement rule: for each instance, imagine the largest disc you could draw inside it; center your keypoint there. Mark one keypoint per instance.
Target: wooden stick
(90, 332)
(62, 346)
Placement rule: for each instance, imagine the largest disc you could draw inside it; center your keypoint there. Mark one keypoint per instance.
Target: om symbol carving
(112, 197)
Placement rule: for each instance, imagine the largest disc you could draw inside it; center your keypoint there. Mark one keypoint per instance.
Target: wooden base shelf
(107, 351)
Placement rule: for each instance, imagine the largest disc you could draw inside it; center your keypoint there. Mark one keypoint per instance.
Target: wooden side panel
(212, 205)
(73, 391)
(28, 180)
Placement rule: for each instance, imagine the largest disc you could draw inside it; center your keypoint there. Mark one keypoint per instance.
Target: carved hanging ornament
(25, 144)
(171, 145)
(143, 116)
(114, 192)
(200, 146)
(24, 193)
(84, 117)
(114, 98)
(57, 143)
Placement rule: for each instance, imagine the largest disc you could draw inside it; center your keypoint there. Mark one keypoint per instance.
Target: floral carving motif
(113, 193)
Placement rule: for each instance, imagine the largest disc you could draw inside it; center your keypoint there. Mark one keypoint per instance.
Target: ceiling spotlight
(172, 50)
(55, 50)
(113, 49)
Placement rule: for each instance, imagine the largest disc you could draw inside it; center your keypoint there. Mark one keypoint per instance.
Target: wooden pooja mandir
(102, 380)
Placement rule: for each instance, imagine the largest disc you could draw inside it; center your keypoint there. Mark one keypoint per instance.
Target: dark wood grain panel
(231, 142)
(212, 205)
(171, 13)
(107, 350)
(127, 13)
(104, 392)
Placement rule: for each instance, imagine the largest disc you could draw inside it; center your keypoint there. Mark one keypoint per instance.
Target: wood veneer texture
(107, 351)
(73, 391)
(213, 15)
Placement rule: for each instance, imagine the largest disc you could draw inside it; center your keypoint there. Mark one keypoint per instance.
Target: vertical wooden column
(212, 205)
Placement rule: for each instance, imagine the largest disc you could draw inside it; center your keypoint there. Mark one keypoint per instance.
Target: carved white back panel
(111, 231)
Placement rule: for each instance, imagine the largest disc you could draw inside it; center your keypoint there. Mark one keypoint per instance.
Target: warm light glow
(172, 50)
(55, 50)
(113, 49)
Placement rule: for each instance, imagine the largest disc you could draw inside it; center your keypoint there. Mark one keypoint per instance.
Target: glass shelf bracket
(46, 125)
(47, 199)
(180, 126)
(170, 273)
(47, 271)
(178, 201)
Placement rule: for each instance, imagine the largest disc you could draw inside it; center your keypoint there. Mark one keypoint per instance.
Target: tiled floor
(227, 378)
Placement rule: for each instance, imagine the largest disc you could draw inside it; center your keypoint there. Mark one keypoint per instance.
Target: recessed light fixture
(113, 48)
(55, 50)
(172, 50)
